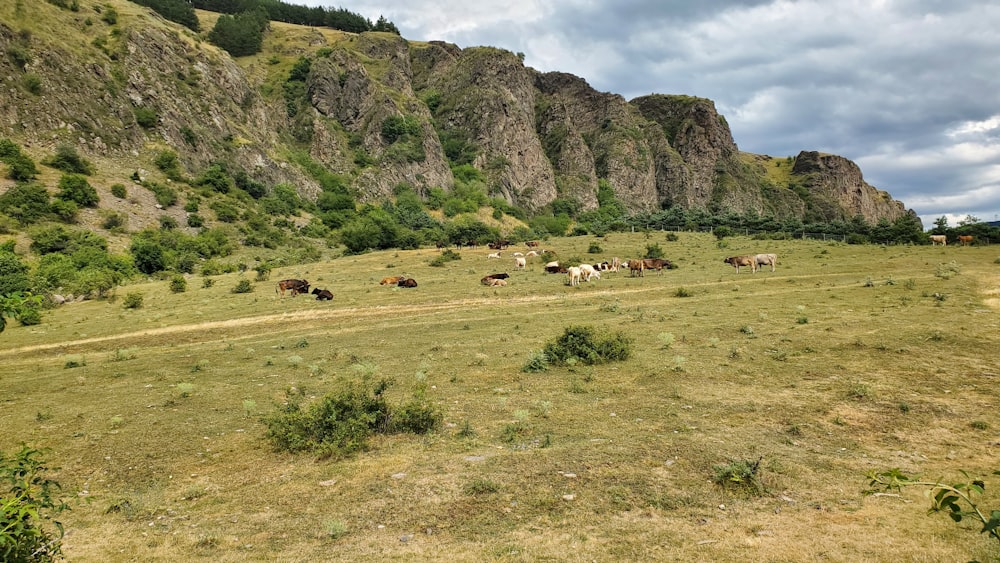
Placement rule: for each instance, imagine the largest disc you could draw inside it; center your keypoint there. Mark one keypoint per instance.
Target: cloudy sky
(907, 89)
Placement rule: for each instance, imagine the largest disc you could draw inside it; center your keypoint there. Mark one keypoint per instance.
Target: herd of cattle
(575, 274)
(964, 240)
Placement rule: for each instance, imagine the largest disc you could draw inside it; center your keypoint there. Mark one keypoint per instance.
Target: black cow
(407, 282)
(322, 294)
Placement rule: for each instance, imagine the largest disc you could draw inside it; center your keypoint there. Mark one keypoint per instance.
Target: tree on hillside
(240, 35)
(178, 11)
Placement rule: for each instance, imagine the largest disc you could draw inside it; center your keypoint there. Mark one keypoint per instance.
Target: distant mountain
(378, 111)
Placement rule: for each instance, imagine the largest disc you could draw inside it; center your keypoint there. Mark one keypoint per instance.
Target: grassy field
(846, 359)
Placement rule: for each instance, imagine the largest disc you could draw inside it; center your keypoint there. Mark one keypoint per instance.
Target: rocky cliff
(381, 111)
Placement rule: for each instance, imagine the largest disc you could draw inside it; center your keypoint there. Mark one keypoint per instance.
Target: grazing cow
(391, 280)
(636, 266)
(531, 253)
(322, 294)
(493, 255)
(520, 262)
(407, 282)
(587, 271)
(738, 261)
(294, 286)
(766, 259)
(939, 239)
(615, 264)
(574, 274)
(656, 264)
(532, 243)
(965, 239)
(496, 282)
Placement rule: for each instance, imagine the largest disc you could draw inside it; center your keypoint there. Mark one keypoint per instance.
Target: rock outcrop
(380, 111)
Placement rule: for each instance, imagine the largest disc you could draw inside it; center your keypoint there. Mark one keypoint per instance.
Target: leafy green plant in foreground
(946, 498)
(27, 499)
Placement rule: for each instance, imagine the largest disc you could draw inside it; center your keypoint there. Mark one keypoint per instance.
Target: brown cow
(656, 264)
(636, 266)
(294, 286)
(532, 243)
(391, 280)
(738, 261)
(965, 239)
(407, 282)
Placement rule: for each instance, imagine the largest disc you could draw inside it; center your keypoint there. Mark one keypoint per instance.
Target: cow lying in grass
(738, 261)
(322, 294)
(488, 280)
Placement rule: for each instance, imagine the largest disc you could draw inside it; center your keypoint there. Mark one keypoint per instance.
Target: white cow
(766, 259)
(574, 274)
(588, 271)
(520, 263)
(493, 255)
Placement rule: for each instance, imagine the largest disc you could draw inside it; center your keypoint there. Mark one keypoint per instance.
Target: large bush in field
(586, 345)
(75, 188)
(340, 423)
(26, 202)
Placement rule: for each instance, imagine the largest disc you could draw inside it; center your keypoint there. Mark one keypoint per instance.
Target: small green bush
(594, 248)
(448, 255)
(69, 161)
(243, 286)
(178, 284)
(742, 474)
(417, 417)
(584, 344)
(146, 117)
(133, 301)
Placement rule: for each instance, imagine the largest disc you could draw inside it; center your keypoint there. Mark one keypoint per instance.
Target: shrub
(743, 474)
(68, 160)
(583, 344)
(32, 83)
(146, 117)
(723, 232)
(243, 286)
(417, 417)
(536, 363)
(119, 191)
(21, 168)
(27, 500)
(75, 188)
(178, 284)
(448, 255)
(653, 251)
(338, 424)
(594, 248)
(133, 301)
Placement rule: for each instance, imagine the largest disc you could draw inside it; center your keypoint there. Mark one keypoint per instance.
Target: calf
(497, 282)
(322, 294)
(574, 274)
(738, 261)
